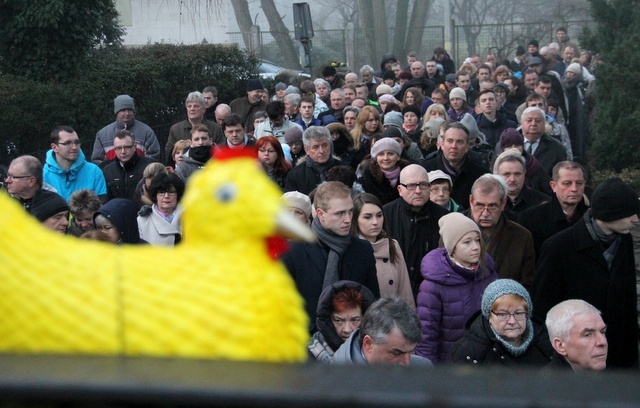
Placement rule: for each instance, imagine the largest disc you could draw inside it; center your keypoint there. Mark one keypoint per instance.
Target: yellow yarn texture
(218, 294)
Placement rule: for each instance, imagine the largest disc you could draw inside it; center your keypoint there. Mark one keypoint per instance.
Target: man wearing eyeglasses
(24, 180)
(123, 173)
(66, 168)
(509, 244)
(453, 159)
(144, 137)
(412, 219)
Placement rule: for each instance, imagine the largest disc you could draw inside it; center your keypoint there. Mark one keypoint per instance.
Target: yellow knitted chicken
(219, 294)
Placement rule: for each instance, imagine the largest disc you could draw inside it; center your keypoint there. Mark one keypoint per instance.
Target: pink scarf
(392, 176)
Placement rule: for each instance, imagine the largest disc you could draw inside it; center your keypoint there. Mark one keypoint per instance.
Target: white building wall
(173, 22)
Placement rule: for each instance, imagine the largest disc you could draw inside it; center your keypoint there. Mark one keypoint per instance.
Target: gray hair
(338, 91)
(487, 183)
(367, 68)
(32, 167)
(195, 97)
(559, 319)
(533, 109)
(293, 98)
(389, 313)
(350, 108)
(509, 155)
(320, 81)
(316, 133)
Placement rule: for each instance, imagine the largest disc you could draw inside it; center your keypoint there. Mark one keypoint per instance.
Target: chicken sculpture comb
(216, 295)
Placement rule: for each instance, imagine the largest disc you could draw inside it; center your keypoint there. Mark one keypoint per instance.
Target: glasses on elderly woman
(503, 317)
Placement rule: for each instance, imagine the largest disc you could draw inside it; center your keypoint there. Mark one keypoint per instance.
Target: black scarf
(200, 153)
(337, 246)
(321, 168)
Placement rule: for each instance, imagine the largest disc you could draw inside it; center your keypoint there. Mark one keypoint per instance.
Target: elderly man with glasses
(125, 171)
(66, 168)
(413, 220)
(24, 180)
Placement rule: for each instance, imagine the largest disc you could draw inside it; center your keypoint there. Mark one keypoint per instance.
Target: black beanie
(613, 200)
(534, 42)
(47, 204)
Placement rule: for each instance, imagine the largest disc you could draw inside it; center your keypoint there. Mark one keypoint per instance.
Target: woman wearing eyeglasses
(160, 224)
(340, 310)
(455, 277)
(503, 331)
(272, 158)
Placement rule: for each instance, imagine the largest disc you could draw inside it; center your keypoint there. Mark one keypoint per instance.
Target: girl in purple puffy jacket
(455, 278)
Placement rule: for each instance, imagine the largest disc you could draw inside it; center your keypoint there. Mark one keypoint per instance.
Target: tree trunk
(381, 31)
(243, 17)
(281, 35)
(400, 33)
(367, 29)
(416, 27)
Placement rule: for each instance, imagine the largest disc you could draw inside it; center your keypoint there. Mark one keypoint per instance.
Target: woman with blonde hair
(368, 123)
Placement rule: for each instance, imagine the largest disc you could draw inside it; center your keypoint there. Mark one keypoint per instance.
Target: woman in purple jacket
(455, 278)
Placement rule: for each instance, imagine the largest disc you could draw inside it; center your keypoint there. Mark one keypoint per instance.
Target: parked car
(269, 70)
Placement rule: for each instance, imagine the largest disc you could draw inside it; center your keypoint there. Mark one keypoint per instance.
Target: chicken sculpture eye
(227, 192)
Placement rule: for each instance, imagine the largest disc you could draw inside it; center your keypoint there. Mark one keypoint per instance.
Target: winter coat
(479, 346)
(393, 278)
(571, 266)
(82, 174)
(528, 198)
(326, 336)
(512, 251)
(549, 152)
(245, 110)
(304, 177)
(307, 264)
(145, 139)
(416, 232)
(381, 188)
(122, 178)
(448, 297)
(548, 219)
(463, 181)
(493, 130)
(156, 230)
(187, 166)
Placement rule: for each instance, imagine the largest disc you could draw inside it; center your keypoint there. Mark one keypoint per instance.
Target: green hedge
(158, 77)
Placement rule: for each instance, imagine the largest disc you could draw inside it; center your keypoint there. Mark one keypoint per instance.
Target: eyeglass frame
(69, 143)
(413, 187)
(14, 178)
(504, 317)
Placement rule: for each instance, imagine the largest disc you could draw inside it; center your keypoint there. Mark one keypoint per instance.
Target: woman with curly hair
(501, 73)
(272, 158)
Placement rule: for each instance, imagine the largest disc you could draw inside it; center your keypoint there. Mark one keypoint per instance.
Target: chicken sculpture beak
(290, 227)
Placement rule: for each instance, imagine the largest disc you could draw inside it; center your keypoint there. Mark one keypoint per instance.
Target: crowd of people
(452, 214)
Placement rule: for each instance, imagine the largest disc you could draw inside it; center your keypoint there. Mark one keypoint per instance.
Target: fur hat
(47, 204)
(254, 85)
(386, 143)
(293, 134)
(458, 93)
(298, 200)
(613, 200)
(503, 287)
(439, 175)
(575, 68)
(511, 137)
(393, 119)
(534, 42)
(388, 74)
(453, 227)
(123, 102)
(412, 108)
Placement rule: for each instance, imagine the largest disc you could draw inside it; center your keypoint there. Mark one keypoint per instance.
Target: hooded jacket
(123, 215)
(82, 174)
(448, 297)
(326, 331)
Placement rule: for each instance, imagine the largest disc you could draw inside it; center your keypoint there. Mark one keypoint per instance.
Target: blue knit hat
(503, 287)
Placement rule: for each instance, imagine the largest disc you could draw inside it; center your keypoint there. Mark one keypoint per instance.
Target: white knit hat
(458, 93)
(386, 143)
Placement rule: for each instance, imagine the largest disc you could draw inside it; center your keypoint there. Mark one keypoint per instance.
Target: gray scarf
(337, 246)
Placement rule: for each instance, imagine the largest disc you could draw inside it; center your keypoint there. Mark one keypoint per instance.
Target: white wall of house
(173, 22)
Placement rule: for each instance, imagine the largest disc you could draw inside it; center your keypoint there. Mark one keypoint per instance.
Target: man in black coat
(543, 147)
(123, 173)
(565, 208)
(594, 261)
(453, 159)
(337, 255)
(312, 171)
(412, 220)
